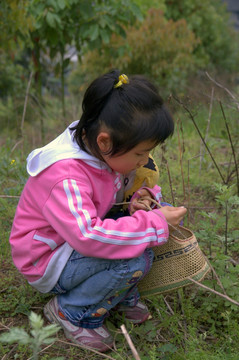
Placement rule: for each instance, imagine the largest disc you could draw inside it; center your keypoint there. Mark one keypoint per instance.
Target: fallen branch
(86, 348)
(18, 143)
(129, 341)
(4, 327)
(224, 88)
(9, 353)
(9, 196)
(214, 272)
(168, 306)
(214, 291)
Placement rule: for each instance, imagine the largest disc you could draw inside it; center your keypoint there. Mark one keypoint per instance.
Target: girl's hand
(139, 203)
(173, 215)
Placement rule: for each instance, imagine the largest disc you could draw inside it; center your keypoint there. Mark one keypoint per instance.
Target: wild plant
(39, 335)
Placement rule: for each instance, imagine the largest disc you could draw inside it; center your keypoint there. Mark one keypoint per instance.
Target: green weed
(39, 335)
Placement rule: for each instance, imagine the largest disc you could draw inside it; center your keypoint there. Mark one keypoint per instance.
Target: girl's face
(133, 159)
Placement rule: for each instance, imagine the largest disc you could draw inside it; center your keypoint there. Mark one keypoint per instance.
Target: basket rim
(199, 276)
(188, 238)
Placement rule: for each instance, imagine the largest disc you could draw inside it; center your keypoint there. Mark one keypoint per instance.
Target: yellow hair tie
(123, 79)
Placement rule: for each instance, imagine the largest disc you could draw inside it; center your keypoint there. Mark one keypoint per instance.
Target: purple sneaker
(136, 314)
(99, 339)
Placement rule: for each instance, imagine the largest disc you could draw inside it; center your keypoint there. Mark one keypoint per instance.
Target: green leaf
(66, 62)
(53, 38)
(61, 4)
(94, 32)
(50, 19)
(84, 31)
(119, 30)
(16, 335)
(105, 35)
(47, 332)
(86, 10)
(167, 348)
(53, 4)
(57, 69)
(36, 320)
(137, 12)
(53, 20)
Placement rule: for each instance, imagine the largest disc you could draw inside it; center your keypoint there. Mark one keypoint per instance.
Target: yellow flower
(12, 162)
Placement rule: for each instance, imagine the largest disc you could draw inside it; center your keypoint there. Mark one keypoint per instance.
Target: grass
(187, 324)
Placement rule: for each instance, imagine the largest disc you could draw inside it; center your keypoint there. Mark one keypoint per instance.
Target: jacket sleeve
(73, 215)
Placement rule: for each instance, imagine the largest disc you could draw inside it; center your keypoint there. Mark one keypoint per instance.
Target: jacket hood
(61, 148)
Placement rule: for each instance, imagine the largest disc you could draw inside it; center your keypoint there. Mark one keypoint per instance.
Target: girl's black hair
(132, 113)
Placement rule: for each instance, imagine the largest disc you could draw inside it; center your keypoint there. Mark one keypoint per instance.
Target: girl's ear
(104, 141)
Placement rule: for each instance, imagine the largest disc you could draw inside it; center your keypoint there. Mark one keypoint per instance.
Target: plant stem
(35, 353)
(170, 183)
(214, 292)
(25, 103)
(202, 150)
(223, 87)
(232, 147)
(188, 199)
(181, 160)
(200, 134)
(226, 228)
(63, 85)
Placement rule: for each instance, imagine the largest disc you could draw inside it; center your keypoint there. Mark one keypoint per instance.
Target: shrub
(209, 20)
(159, 48)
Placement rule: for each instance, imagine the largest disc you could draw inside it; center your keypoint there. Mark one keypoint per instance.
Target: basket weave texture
(174, 262)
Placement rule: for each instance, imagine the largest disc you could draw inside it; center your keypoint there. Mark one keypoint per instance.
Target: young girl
(63, 242)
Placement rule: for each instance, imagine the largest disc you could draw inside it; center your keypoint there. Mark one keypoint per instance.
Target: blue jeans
(89, 288)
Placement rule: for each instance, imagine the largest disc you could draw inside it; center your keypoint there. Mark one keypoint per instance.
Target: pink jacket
(62, 208)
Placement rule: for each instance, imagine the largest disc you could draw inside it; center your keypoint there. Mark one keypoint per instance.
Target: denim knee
(81, 294)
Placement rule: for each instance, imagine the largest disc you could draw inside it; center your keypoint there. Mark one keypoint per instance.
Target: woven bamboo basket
(174, 263)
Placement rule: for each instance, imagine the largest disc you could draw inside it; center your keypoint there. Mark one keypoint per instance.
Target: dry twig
(25, 103)
(214, 273)
(87, 348)
(6, 356)
(129, 341)
(9, 196)
(214, 291)
(224, 88)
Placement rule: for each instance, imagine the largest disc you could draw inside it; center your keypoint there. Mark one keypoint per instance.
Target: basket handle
(160, 206)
